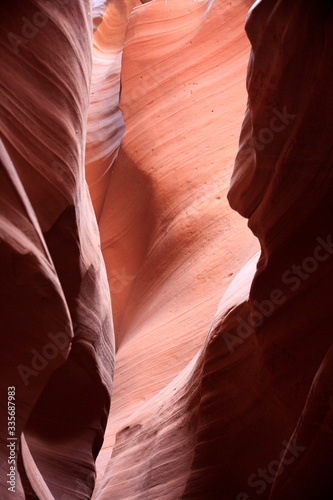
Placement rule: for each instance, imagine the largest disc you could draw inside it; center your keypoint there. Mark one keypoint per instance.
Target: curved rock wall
(56, 324)
(227, 426)
(223, 334)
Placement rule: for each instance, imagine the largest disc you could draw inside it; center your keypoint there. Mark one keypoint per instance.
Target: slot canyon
(166, 250)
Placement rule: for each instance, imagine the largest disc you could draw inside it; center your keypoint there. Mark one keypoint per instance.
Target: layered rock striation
(122, 186)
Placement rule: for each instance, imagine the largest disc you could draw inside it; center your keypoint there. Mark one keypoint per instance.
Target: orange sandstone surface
(166, 260)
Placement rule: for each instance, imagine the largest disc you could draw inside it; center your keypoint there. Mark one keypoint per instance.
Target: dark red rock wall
(56, 326)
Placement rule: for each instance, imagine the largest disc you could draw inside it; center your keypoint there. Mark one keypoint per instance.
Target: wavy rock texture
(56, 331)
(105, 125)
(169, 238)
(228, 424)
(213, 398)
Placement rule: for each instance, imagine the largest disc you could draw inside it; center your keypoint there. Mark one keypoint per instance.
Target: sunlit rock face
(129, 175)
(170, 241)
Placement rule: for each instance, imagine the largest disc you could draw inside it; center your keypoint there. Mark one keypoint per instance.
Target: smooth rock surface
(56, 324)
(128, 175)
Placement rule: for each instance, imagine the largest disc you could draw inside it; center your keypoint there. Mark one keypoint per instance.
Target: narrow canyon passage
(166, 250)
